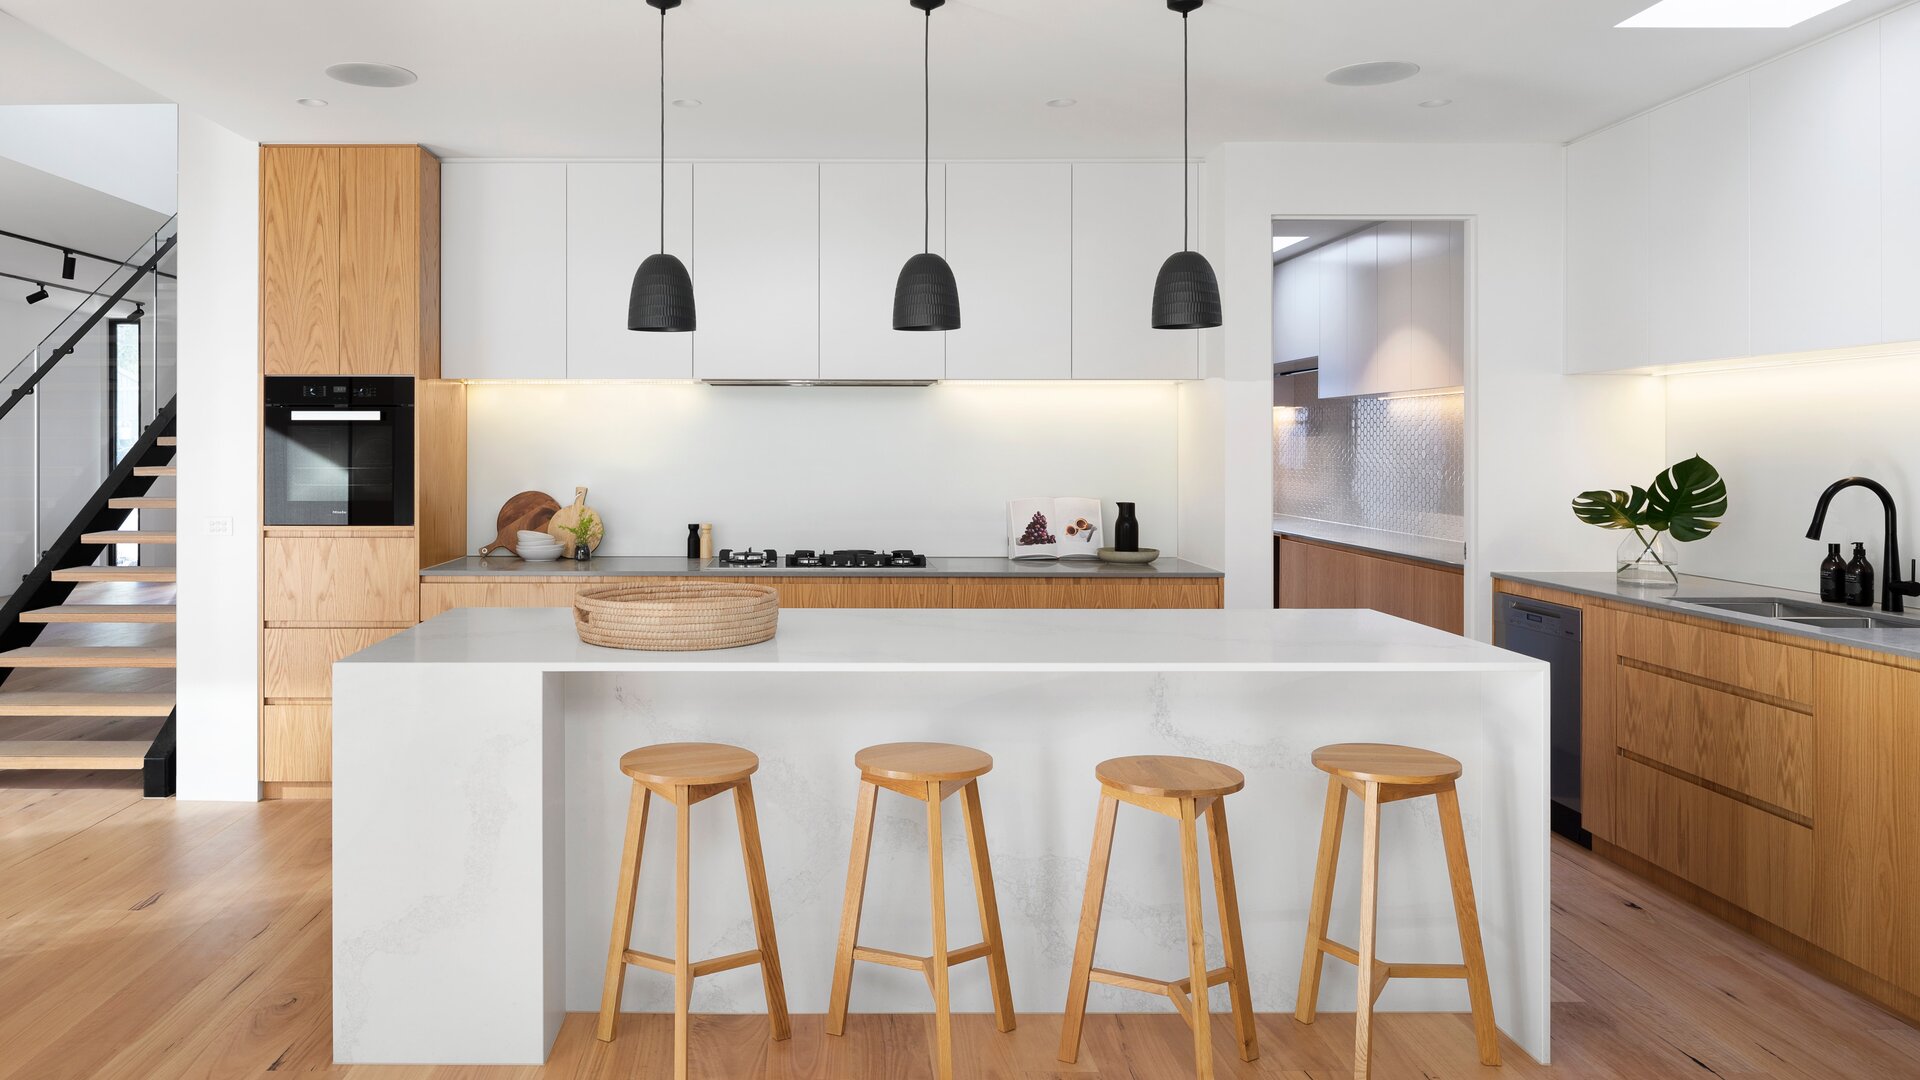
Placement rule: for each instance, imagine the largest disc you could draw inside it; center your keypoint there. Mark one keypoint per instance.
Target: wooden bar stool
(685, 774)
(1383, 773)
(1183, 789)
(929, 772)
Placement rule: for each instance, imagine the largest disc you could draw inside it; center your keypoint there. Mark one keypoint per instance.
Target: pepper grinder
(706, 540)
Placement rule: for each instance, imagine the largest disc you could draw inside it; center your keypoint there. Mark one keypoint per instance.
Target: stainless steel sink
(1785, 609)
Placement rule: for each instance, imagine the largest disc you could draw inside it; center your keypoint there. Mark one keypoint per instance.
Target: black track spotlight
(138, 314)
(66, 266)
(38, 294)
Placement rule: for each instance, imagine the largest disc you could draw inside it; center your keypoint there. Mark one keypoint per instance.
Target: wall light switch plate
(220, 526)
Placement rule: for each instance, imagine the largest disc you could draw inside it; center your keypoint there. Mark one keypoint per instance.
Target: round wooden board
(530, 510)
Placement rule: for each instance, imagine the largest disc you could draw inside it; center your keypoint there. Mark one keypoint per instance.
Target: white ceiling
(57, 210)
(41, 71)
(840, 78)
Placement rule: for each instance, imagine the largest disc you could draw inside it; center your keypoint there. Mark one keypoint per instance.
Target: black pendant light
(925, 297)
(662, 296)
(1186, 295)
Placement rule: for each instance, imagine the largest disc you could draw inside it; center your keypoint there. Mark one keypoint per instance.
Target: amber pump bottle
(1859, 577)
(1833, 576)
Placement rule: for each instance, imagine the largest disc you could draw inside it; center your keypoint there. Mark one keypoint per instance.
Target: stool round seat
(1385, 763)
(689, 764)
(922, 762)
(1162, 777)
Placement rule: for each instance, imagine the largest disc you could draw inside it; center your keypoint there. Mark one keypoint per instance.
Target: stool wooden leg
(1196, 941)
(1089, 929)
(1228, 898)
(1369, 910)
(683, 909)
(989, 906)
(762, 904)
(1467, 915)
(937, 963)
(1311, 961)
(850, 908)
(623, 911)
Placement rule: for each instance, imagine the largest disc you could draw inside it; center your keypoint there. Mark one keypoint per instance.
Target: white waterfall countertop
(960, 640)
(479, 811)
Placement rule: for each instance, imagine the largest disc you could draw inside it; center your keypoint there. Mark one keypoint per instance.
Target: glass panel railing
(78, 402)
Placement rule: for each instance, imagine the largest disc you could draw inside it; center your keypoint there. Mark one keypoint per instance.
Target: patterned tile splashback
(1381, 463)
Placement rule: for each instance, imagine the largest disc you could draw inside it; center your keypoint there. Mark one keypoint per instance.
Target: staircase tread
(156, 470)
(115, 573)
(72, 754)
(129, 536)
(85, 703)
(143, 502)
(88, 656)
(104, 613)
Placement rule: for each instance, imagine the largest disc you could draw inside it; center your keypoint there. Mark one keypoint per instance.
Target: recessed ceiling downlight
(311, 102)
(1062, 102)
(1436, 103)
(1373, 73)
(384, 76)
(687, 103)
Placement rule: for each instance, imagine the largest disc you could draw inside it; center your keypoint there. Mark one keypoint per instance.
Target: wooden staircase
(86, 650)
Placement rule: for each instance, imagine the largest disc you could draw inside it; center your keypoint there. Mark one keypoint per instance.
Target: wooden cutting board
(570, 516)
(529, 510)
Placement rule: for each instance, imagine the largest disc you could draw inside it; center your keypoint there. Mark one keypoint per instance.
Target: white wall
(219, 427)
(1534, 436)
(1779, 436)
(127, 151)
(783, 467)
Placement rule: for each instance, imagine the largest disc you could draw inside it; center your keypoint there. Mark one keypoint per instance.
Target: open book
(1058, 528)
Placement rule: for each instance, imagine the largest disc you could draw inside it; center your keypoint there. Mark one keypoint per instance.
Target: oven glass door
(339, 466)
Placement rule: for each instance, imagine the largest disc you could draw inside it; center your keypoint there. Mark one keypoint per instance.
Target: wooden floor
(154, 939)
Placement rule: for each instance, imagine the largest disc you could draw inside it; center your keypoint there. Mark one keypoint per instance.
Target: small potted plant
(583, 533)
(1683, 502)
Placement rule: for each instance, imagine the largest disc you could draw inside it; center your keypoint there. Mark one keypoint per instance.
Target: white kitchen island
(478, 808)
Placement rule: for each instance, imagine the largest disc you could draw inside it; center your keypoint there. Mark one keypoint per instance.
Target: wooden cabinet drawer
(363, 579)
(1760, 750)
(299, 662)
(296, 744)
(1745, 855)
(1760, 667)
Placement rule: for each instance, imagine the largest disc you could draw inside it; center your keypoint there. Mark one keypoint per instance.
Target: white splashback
(1780, 436)
(783, 467)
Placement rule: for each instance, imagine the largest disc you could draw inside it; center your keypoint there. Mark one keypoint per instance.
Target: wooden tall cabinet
(349, 261)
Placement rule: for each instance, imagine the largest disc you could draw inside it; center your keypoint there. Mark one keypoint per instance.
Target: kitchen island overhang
(478, 806)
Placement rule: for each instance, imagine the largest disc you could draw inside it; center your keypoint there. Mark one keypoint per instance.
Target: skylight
(1727, 14)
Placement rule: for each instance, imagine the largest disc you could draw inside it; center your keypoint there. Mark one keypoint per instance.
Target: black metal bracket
(158, 775)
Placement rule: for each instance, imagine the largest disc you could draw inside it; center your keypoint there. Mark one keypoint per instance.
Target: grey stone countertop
(511, 566)
(1899, 641)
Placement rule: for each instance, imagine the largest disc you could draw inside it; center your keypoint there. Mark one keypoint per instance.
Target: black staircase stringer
(157, 775)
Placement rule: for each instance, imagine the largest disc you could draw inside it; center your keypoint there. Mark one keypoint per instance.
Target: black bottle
(1859, 577)
(693, 540)
(1833, 576)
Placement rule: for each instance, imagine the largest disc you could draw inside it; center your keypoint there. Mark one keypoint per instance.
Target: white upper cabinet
(1607, 218)
(1698, 263)
(756, 271)
(1363, 373)
(871, 223)
(1010, 241)
(1435, 345)
(1900, 174)
(1330, 270)
(503, 271)
(1296, 309)
(1392, 308)
(1816, 196)
(613, 224)
(1126, 221)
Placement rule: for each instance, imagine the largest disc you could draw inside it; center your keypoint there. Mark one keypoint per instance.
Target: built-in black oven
(339, 450)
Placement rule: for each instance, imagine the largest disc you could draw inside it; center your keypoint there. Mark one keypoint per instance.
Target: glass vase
(1646, 559)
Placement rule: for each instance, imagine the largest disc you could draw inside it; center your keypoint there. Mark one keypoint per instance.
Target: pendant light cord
(926, 133)
(1185, 153)
(663, 131)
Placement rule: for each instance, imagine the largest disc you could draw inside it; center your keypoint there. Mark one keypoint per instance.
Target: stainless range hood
(819, 382)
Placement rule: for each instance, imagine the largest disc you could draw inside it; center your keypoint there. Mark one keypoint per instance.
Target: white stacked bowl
(538, 546)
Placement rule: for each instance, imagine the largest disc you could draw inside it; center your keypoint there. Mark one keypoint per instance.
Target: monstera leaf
(1686, 498)
(1612, 509)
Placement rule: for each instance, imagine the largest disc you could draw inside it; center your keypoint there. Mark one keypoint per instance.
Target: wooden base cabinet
(1774, 780)
(1315, 575)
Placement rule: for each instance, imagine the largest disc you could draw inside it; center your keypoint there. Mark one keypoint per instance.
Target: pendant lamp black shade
(662, 296)
(926, 298)
(1186, 295)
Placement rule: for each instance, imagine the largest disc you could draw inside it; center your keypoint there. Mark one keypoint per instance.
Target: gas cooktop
(810, 559)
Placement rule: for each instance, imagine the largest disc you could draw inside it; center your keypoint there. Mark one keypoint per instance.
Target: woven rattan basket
(680, 617)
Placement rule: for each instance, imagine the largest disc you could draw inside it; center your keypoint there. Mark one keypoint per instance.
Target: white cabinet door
(1126, 221)
(1816, 196)
(1009, 230)
(1436, 349)
(870, 225)
(1296, 309)
(1607, 209)
(1336, 358)
(1900, 174)
(1392, 360)
(613, 224)
(756, 263)
(1698, 260)
(1355, 367)
(503, 271)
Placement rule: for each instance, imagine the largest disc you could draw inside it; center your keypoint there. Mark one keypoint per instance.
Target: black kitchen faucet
(1893, 588)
